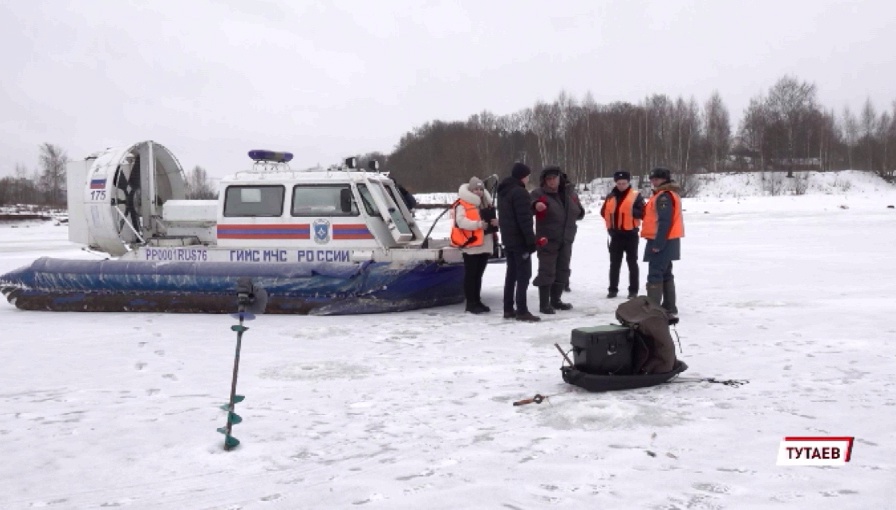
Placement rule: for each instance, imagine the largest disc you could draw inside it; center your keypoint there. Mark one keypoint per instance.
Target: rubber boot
(655, 292)
(556, 292)
(544, 300)
(669, 297)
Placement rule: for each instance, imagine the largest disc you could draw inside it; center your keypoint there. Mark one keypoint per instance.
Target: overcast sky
(212, 80)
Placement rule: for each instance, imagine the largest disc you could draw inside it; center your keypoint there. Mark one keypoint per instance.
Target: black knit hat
(661, 173)
(520, 170)
(622, 174)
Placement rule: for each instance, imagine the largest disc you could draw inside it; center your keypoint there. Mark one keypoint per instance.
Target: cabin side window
(395, 212)
(323, 200)
(367, 199)
(253, 201)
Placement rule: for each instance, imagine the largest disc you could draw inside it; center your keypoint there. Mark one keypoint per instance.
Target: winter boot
(655, 292)
(669, 297)
(527, 317)
(477, 308)
(611, 294)
(544, 300)
(556, 292)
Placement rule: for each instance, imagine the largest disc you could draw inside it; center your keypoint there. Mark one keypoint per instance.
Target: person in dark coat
(557, 209)
(663, 227)
(570, 185)
(409, 201)
(518, 236)
(622, 212)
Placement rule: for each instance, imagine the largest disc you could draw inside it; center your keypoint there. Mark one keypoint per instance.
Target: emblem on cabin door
(321, 231)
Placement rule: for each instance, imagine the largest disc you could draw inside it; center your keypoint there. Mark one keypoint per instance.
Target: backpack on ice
(654, 351)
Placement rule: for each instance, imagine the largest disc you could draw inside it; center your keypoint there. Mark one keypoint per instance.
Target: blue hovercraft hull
(209, 287)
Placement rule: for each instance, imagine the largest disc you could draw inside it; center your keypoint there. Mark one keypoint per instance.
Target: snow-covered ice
(413, 410)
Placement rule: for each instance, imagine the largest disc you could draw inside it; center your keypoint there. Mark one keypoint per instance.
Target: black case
(603, 349)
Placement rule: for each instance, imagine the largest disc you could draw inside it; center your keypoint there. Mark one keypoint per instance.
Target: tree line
(44, 186)
(783, 129)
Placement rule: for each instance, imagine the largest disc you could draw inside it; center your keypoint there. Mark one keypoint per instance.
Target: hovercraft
(321, 241)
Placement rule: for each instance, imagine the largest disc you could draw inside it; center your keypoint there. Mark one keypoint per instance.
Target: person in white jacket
(475, 238)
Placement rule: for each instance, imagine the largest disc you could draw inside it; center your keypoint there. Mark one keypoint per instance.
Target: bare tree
(829, 139)
(52, 174)
(546, 126)
(790, 102)
(199, 186)
(884, 125)
(718, 129)
(753, 128)
(850, 129)
(869, 123)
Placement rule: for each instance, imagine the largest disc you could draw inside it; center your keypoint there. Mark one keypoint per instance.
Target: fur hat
(622, 174)
(551, 170)
(661, 173)
(475, 183)
(520, 170)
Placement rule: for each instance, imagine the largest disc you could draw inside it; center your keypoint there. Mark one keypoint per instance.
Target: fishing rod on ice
(539, 398)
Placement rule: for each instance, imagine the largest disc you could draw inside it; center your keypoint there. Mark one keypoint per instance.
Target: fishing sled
(615, 382)
(636, 354)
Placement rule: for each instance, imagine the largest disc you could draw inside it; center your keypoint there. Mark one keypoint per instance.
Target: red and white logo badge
(815, 451)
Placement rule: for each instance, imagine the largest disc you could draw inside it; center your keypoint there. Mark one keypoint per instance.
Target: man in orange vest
(622, 211)
(663, 227)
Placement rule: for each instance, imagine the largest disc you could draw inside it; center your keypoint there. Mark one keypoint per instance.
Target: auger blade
(231, 442)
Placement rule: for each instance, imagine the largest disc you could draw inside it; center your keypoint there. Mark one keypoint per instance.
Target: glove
(541, 241)
(544, 212)
(530, 248)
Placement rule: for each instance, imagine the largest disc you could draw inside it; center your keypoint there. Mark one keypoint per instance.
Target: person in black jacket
(409, 201)
(516, 227)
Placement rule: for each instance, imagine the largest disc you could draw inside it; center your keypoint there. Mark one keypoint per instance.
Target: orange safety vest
(625, 220)
(651, 220)
(467, 238)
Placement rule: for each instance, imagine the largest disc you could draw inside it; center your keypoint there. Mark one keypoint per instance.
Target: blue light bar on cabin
(272, 156)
